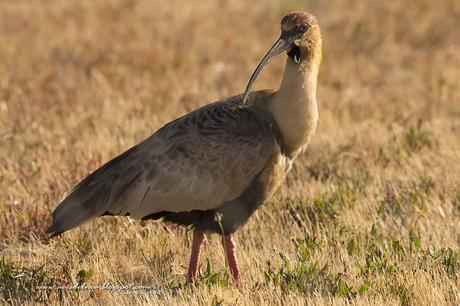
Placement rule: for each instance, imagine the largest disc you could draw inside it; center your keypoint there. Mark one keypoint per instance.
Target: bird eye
(304, 27)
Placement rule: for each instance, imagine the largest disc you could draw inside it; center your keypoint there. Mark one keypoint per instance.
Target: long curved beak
(282, 44)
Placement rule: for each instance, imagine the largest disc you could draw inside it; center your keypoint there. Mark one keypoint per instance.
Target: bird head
(300, 34)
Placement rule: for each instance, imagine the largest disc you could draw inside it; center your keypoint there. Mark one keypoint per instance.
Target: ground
(370, 214)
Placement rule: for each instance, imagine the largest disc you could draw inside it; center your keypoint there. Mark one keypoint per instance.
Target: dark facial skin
(294, 26)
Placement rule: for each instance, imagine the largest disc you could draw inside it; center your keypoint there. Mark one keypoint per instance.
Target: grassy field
(370, 214)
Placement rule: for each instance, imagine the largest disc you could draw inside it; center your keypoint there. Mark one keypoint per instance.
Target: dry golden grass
(369, 215)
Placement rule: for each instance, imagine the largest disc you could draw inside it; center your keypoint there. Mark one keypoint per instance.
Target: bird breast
(275, 172)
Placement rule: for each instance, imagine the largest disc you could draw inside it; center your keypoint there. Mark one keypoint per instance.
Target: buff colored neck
(294, 106)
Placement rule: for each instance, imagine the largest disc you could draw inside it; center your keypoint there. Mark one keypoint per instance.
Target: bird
(210, 169)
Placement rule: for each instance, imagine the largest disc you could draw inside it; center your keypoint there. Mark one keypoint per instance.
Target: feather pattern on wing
(196, 162)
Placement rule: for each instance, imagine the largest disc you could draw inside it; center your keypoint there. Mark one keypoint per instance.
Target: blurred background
(82, 81)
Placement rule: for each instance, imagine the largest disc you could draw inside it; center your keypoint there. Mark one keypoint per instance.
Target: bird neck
(294, 105)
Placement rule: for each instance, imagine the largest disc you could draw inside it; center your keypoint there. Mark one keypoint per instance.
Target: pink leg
(198, 237)
(230, 248)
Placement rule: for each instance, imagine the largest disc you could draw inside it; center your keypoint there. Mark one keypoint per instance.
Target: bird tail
(68, 215)
(82, 205)
(89, 199)
(74, 211)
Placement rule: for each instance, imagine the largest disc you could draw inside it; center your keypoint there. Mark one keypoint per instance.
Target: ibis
(210, 169)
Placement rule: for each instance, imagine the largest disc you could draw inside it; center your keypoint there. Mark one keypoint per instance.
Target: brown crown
(297, 19)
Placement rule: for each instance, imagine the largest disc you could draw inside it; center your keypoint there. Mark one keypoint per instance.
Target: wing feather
(197, 162)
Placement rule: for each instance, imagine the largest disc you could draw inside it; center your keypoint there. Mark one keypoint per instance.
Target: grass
(370, 214)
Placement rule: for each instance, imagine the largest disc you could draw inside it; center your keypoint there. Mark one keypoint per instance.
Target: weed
(213, 278)
(402, 292)
(416, 137)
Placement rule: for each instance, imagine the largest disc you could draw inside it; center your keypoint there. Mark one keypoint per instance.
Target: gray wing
(197, 162)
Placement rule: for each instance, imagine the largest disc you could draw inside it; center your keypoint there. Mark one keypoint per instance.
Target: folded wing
(197, 162)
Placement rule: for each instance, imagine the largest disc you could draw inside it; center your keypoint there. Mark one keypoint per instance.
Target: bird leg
(230, 247)
(198, 237)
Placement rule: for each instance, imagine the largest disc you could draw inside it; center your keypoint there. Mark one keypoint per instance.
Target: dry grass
(369, 215)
